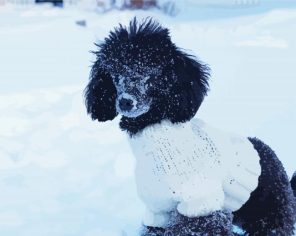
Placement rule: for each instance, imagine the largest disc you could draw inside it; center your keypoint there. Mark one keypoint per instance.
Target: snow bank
(61, 173)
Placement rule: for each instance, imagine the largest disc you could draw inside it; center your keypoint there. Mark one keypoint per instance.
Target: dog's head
(139, 71)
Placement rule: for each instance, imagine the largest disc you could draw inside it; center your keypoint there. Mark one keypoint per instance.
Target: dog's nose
(125, 104)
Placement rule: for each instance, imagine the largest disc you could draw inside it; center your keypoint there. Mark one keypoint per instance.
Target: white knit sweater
(193, 168)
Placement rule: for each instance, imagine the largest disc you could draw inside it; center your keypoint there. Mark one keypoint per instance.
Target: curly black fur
(271, 209)
(181, 85)
(216, 223)
(100, 95)
(293, 183)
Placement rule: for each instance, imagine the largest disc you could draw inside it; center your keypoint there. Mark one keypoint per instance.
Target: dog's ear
(100, 95)
(191, 87)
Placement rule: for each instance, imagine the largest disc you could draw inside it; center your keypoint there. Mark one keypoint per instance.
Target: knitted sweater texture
(192, 168)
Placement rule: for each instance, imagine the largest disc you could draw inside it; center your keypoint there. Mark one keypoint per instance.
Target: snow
(63, 174)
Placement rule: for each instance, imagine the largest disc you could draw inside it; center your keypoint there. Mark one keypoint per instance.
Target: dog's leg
(157, 221)
(152, 231)
(217, 223)
(271, 209)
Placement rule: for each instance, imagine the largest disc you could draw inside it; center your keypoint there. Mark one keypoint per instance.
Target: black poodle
(194, 179)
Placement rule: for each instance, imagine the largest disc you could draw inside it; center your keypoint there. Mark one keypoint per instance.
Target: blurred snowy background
(62, 174)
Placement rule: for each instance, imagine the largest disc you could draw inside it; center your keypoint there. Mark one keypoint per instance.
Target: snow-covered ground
(62, 174)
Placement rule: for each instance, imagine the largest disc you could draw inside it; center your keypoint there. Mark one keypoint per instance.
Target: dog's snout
(126, 104)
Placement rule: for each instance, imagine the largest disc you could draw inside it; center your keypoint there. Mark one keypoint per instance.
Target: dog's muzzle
(126, 103)
(129, 106)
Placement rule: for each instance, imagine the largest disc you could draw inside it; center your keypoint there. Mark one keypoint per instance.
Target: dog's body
(194, 181)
